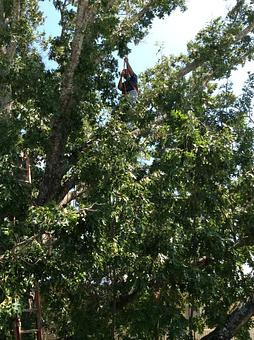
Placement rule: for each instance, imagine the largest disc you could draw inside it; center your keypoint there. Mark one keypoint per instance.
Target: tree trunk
(8, 52)
(55, 167)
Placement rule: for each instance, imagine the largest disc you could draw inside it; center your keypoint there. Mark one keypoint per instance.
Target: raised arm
(120, 83)
(129, 68)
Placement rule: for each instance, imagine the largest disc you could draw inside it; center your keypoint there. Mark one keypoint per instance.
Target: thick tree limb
(235, 321)
(189, 68)
(84, 13)
(55, 167)
(71, 195)
(197, 63)
(8, 51)
(72, 159)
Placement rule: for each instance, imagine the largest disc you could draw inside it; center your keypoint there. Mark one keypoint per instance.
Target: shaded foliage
(139, 220)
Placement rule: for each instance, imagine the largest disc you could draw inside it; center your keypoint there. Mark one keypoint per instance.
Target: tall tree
(163, 213)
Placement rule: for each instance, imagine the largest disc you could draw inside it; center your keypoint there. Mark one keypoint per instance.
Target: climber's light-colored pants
(132, 96)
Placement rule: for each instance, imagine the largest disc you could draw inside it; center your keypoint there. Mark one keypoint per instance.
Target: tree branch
(61, 7)
(138, 16)
(199, 62)
(84, 13)
(8, 51)
(235, 321)
(125, 28)
(71, 195)
(245, 241)
(19, 246)
(55, 167)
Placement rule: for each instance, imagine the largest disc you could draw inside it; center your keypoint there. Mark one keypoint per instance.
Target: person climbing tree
(129, 86)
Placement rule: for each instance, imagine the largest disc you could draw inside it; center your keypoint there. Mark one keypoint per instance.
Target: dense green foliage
(160, 222)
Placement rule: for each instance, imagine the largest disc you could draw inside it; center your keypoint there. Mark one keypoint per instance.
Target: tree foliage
(139, 219)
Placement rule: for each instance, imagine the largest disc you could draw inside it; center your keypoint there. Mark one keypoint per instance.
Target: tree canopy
(139, 220)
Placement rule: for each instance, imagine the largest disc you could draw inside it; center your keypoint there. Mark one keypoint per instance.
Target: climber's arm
(120, 84)
(129, 68)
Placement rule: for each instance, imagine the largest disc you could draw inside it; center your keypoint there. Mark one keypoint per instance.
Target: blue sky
(174, 32)
(170, 35)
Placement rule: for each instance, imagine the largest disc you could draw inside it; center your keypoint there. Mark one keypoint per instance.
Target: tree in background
(163, 191)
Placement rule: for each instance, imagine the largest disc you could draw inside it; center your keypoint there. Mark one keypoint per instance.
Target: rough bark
(234, 322)
(8, 52)
(55, 167)
(192, 66)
